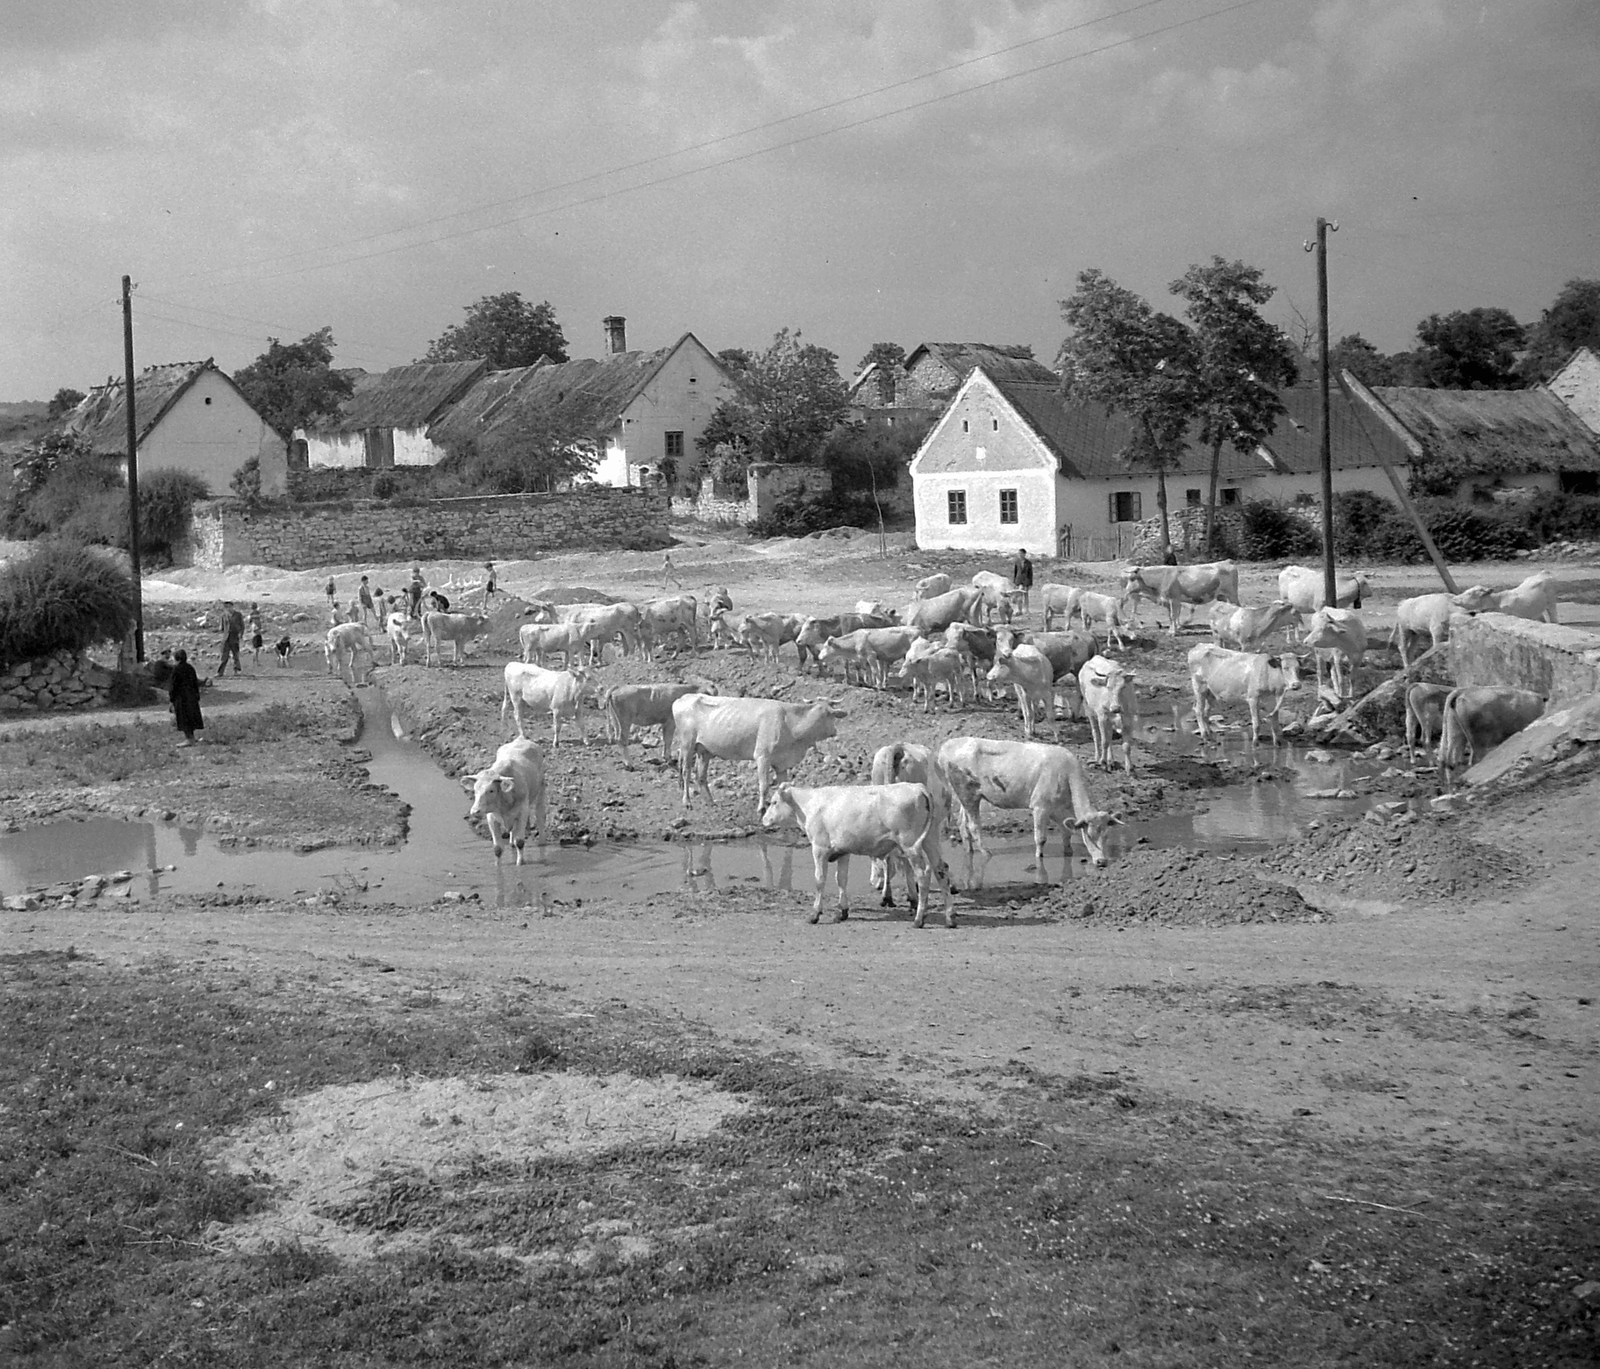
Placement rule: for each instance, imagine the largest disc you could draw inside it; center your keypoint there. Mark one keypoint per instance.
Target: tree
(505, 330)
(293, 385)
(1136, 362)
(1240, 360)
(1474, 349)
(528, 449)
(63, 402)
(791, 399)
(1571, 321)
(736, 360)
(1365, 362)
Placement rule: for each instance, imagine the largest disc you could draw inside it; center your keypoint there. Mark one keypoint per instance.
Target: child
(382, 605)
(668, 572)
(285, 649)
(364, 596)
(333, 607)
(256, 639)
(488, 587)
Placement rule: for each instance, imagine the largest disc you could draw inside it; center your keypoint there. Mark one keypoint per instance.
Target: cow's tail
(1453, 745)
(505, 703)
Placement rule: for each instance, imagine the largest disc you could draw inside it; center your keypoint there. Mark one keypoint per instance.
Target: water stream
(443, 855)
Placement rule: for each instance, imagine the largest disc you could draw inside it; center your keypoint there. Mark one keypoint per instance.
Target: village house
(191, 417)
(883, 396)
(1010, 463)
(1577, 385)
(1468, 443)
(643, 412)
(386, 420)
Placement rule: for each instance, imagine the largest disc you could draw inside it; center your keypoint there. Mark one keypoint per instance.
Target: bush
(1357, 514)
(1552, 516)
(1269, 532)
(62, 596)
(812, 513)
(57, 484)
(1372, 529)
(166, 496)
(246, 482)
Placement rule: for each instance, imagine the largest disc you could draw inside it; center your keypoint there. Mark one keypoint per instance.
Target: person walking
(232, 634)
(364, 595)
(257, 641)
(1022, 576)
(415, 590)
(333, 605)
(489, 587)
(669, 571)
(184, 691)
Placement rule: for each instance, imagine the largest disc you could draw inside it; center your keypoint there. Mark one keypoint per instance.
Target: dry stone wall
(509, 527)
(62, 679)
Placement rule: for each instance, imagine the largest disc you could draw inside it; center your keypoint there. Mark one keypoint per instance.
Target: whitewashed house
(190, 417)
(1011, 464)
(1577, 385)
(386, 420)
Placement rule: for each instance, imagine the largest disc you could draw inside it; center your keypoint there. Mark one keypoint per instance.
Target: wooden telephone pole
(1320, 247)
(133, 471)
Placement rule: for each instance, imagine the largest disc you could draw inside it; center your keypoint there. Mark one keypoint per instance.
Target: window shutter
(1111, 507)
(1138, 506)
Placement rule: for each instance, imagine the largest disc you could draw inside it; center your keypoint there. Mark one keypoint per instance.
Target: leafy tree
(1240, 360)
(527, 450)
(1365, 362)
(737, 360)
(1571, 321)
(293, 385)
(1474, 349)
(791, 399)
(166, 495)
(63, 402)
(505, 330)
(1136, 362)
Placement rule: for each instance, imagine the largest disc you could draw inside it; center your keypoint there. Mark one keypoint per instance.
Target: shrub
(166, 495)
(1552, 516)
(246, 482)
(55, 482)
(1373, 529)
(802, 514)
(62, 596)
(1357, 514)
(1269, 532)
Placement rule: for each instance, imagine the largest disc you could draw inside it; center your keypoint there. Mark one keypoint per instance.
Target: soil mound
(1180, 888)
(1403, 855)
(572, 594)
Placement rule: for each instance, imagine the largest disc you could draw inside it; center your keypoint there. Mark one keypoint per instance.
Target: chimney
(616, 334)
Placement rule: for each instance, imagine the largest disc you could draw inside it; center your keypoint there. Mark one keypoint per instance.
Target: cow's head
(1475, 600)
(780, 807)
(1092, 828)
(490, 791)
(1288, 664)
(1133, 580)
(1000, 671)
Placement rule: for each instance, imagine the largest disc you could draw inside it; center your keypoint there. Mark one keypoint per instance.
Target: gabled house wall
(210, 431)
(679, 398)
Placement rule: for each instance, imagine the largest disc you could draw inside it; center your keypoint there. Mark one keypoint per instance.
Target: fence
(1114, 546)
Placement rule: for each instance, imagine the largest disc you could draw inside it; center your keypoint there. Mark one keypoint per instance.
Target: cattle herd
(962, 641)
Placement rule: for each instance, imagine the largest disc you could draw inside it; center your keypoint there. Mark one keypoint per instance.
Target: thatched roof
(1491, 431)
(1086, 439)
(405, 396)
(101, 418)
(999, 361)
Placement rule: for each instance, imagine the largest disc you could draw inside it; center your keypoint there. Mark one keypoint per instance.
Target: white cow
(647, 705)
(881, 821)
(456, 628)
(928, 665)
(1477, 719)
(1107, 687)
(1534, 598)
(509, 795)
(776, 736)
(560, 692)
(1058, 600)
(931, 586)
(876, 608)
(999, 596)
(910, 763)
(1102, 607)
(1339, 638)
(539, 640)
(1048, 781)
(1304, 588)
(1247, 629)
(1218, 675)
(1029, 672)
(871, 649)
(935, 614)
(401, 631)
(663, 621)
(346, 644)
(1424, 717)
(1430, 613)
(1176, 586)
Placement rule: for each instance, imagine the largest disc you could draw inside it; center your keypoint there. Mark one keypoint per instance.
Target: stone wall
(1562, 663)
(508, 527)
(1186, 525)
(62, 679)
(768, 484)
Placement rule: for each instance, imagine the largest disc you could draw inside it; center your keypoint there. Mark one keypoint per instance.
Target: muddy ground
(1422, 981)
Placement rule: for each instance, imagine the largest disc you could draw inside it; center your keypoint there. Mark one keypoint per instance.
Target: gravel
(1181, 888)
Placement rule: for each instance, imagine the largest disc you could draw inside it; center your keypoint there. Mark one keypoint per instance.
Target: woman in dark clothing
(184, 691)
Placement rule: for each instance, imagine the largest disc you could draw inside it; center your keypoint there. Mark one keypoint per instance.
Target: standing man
(489, 587)
(1022, 576)
(232, 632)
(415, 591)
(364, 595)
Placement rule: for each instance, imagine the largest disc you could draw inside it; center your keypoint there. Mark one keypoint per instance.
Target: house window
(674, 446)
(1008, 506)
(1126, 506)
(1192, 498)
(1231, 495)
(958, 505)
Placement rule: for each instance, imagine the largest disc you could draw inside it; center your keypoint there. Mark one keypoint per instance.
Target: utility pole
(1329, 591)
(133, 471)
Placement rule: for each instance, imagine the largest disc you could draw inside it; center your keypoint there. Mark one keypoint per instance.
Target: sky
(860, 170)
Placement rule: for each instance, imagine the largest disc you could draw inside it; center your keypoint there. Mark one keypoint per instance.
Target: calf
(558, 691)
(1424, 717)
(1534, 598)
(1247, 629)
(1218, 675)
(647, 705)
(1339, 638)
(814, 631)
(766, 631)
(1430, 613)
(1107, 689)
(1028, 671)
(539, 640)
(927, 666)
(932, 585)
(1059, 600)
(882, 821)
(872, 649)
(664, 621)
(346, 645)
(456, 628)
(998, 596)
(509, 795)
(1105, 607)
(1478, 719)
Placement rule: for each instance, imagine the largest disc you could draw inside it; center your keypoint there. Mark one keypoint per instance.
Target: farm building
(1010, 463)
(386, 421)
(191, 417)
(640, 410)
(1577, 385)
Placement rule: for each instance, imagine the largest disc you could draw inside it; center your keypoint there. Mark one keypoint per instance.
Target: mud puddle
(444, 857)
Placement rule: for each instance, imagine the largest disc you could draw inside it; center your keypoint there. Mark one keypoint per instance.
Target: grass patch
(832, 1222)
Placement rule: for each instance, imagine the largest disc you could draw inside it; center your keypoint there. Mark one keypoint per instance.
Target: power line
(282, 329)
(709, 142)
(758, 152)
